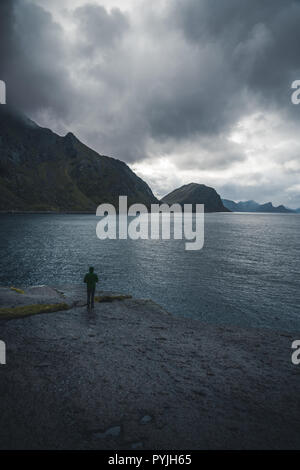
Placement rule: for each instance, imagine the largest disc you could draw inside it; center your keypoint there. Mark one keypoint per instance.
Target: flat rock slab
(93, 380)
(32, 295)
(74, 295)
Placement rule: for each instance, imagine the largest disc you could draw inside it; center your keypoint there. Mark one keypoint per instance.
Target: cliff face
(40, 170)
(194, 193)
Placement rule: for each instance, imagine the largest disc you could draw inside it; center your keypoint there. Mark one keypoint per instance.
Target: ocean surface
(247, 274)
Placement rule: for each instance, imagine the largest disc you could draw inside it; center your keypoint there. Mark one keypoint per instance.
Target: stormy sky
(182, 90)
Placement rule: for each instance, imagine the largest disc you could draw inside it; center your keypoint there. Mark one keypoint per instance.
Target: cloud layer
(191, 90)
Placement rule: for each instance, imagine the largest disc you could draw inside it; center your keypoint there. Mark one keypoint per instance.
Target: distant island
(253, 206)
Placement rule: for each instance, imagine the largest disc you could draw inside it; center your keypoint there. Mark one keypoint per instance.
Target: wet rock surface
(127, 375)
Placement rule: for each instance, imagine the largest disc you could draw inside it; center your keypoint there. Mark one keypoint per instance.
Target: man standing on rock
(90, 279)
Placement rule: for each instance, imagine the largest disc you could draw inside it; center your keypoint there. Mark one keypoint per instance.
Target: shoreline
(15, 212)
(48, 212)
(129, 375)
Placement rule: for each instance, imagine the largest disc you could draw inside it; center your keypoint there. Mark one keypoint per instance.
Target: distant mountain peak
(70, 136)
(195, 185)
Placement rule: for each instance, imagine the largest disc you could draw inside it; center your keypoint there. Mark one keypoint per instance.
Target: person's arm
(96, 278)
(85, 278)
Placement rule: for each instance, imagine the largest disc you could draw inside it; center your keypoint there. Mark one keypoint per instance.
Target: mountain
(194, 193)
(268, 207)
(42, 171)
(252, 206)
(246, 206)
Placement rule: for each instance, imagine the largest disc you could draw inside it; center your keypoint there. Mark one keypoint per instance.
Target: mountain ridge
(42, 171)
(253, 206)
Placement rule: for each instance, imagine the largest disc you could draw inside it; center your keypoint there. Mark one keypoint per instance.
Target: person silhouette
(90, 279)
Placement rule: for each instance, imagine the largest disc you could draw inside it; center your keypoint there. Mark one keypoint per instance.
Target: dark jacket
(91, 279)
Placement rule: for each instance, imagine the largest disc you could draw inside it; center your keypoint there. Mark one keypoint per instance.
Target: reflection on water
(247, 273)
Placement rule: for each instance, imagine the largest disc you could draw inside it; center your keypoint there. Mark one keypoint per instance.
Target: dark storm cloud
(171, 79)
(235, 51)
(7, 42)
(37, 61)
(245, 50)
(32, 59)
(197, 101)
(98, 27)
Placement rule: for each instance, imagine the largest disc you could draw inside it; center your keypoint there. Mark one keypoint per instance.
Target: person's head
(91, 269)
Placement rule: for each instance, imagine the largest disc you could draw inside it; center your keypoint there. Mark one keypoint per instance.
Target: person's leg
(92, 297)
(88, 298)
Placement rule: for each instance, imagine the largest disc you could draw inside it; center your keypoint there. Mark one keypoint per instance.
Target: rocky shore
(131, 376)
